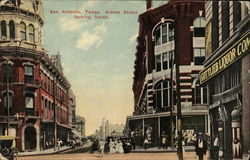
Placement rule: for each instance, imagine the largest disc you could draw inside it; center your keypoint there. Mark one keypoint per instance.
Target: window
(199, 27)
(164, 33)
(7, 73)
(163, 61)
(158, 37)
(199, 56)
(5, 100)
(199, 32)
(158, 63)
(3, 30)
(163, 96)
(235, 75)
(12, 29)
(23, 31)
(200, 94)
(29, 101)
(219, 83)
(31, 33)
(29, 74)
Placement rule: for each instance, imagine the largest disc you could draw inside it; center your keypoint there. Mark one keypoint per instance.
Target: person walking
(111, 146)
(164, 142)
(101, 144)
(200, 146)
(145, 143)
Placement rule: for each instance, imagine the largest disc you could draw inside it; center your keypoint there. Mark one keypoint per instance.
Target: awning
(75, 134)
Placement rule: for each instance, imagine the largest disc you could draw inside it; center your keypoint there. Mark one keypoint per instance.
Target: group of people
(111, 146)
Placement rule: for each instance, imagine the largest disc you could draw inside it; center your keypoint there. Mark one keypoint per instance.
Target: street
(130, 156)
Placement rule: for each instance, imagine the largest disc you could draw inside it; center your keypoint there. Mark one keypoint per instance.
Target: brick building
(173, 30)
(226, 74)
(34, 92)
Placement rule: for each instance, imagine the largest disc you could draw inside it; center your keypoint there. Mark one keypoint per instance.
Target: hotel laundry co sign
(226, 59)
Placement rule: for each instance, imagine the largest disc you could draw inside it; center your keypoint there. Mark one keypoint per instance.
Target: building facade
(173, 30)
(226, 74)
(34, 92)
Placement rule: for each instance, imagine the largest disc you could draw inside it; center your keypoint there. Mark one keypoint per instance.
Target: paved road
(95, 156)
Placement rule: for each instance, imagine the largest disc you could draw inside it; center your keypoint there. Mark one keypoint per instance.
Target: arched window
(164, 33)
(31, 33)
(163, 98)
(200, 94)
(23, 31)
(12, 29)
(3, 30)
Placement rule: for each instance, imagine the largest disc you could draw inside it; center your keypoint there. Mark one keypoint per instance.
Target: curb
(159, 151)
(40, 154)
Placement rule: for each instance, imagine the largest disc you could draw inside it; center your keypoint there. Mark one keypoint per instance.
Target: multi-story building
(226, 73)
(174, 30)
(110, 130)
(34, 92)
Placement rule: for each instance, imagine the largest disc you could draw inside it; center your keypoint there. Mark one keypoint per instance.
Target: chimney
(149, 4)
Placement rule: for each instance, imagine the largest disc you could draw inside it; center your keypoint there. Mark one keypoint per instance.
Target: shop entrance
(30, 138)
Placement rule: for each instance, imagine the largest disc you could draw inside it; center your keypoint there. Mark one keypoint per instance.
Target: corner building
(226, 73)
(173, 30)
(34, 92)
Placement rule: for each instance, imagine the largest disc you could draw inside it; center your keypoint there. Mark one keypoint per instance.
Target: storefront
(153, 126)
(227, 76)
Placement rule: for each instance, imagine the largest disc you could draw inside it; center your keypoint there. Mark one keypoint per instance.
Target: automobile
(8, 148)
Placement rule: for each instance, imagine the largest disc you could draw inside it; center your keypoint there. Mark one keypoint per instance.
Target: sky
(97, 55)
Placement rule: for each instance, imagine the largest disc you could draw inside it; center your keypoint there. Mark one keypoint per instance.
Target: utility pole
(178, 96)
(54, 106)
(7, 94)
(171, 99)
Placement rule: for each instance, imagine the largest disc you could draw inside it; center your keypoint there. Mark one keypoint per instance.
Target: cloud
(88, 40)
(100, 28)
(98, 64)
(92, 38)
(132, 38)
(69, 24)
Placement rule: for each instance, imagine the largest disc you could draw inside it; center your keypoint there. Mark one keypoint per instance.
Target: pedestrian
(133, 143)
(164, 142)
(145, 143)
(119, 147)
(111, 146)
(200, 146)
(101, 149)
(216, 147)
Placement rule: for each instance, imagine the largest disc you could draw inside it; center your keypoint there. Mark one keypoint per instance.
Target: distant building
(176, 29)
(79, 125)
(107, 129)
(227, 76)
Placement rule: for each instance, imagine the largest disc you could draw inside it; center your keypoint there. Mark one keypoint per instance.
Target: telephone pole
(178, 98)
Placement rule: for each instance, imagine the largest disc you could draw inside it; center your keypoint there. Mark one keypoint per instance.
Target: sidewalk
(43, 152)
(161, 150)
